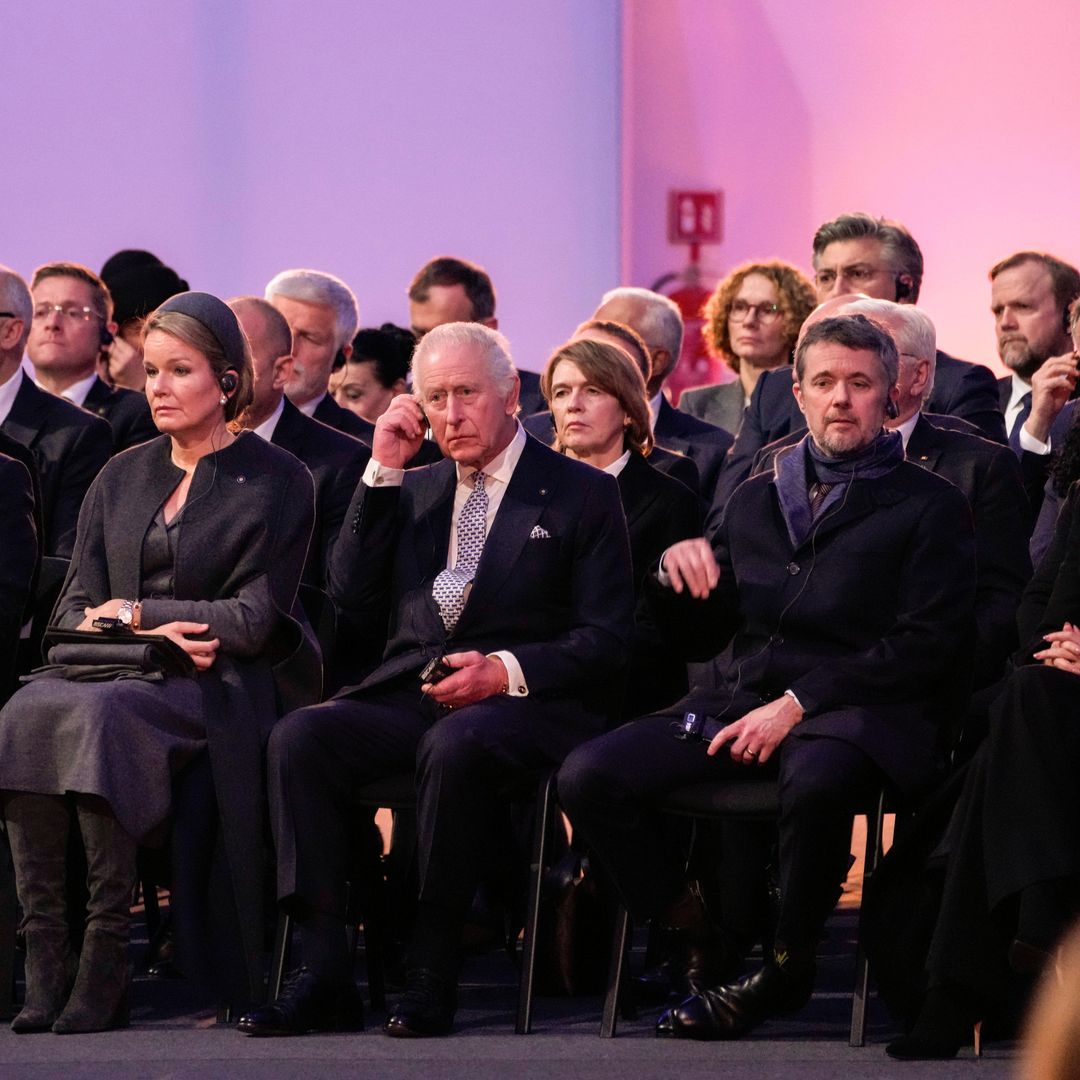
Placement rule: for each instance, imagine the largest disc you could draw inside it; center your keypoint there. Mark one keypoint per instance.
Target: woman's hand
(109, 610)
(1063, 650)
(202, 653)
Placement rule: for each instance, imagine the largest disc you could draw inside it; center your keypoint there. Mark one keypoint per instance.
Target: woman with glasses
(198, 537)
(751, 323)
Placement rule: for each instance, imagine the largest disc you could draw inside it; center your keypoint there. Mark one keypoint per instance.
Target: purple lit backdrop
(958, 119)
(236, 139)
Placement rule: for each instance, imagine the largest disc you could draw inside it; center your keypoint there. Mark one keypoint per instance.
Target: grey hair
(661, 323)
(852, 332)
(15, 297)
(911, 328)
(898, 247)
(315, 287)
(493, 345)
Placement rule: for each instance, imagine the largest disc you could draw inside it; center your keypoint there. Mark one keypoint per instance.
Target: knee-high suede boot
(37, 827)
(100, 999)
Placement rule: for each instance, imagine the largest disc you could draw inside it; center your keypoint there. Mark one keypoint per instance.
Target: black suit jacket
(69, 446)
(990, 478)
(967, 390)
(659, 512)
(127, 412)
(336, 462)
(553, 585)
(705, 444)
(541, 426)
(531, 399)
(721, 404)
(19, 557)
(865, 620)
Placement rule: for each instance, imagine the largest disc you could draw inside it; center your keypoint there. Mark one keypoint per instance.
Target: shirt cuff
(376, 475)
(1032, 445)
(515, 677)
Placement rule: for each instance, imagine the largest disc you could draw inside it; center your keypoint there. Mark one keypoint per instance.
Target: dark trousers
(467, 763)
(611, 787)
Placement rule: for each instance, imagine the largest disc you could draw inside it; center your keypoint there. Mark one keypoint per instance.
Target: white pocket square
(539, 533)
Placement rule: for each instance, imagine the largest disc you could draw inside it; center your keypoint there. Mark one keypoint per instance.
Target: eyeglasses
(73, 312)
(766, 313)
(859, 274)
(8, 315)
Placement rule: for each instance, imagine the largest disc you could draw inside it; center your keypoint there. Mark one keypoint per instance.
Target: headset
(105, 336)
(903, 289)
(229, 382)
(891, 409)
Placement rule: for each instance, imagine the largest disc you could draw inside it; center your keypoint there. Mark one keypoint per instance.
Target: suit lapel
(528, 493)
(433, 508)
(27, 416)
(636, 498)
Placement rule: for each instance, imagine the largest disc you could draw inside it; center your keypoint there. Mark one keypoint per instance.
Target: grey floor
(174, 1035)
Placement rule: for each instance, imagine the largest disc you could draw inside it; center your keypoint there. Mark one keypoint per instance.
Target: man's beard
(1025, 362)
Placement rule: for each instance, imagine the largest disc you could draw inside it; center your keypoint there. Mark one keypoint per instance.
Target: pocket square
(539, 533)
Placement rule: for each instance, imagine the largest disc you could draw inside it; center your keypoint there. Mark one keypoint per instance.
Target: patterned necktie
(818, 491)
(450, 585)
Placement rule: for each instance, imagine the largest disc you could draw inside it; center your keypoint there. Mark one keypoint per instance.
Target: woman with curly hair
(751, 323)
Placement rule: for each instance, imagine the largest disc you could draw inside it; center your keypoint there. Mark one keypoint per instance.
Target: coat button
(241, 479)
(792, 568)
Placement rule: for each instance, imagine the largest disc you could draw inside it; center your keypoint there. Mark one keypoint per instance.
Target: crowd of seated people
(798, 578)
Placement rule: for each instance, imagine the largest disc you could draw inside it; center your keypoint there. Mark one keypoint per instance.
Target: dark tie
(1021, 419)
(818, 491)
(450, 586)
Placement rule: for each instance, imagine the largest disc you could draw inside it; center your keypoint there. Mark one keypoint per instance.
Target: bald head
(15, 326)
(268, 332)
(656, 318)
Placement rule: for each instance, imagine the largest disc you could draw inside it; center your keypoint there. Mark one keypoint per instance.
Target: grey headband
(217, 317)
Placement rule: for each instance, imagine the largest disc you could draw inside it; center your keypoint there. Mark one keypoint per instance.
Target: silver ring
(750, 753)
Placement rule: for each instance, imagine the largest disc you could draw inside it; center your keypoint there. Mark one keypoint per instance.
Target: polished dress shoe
(692, 968)
(426, 1008)
(307, 1004)
(727, 1012)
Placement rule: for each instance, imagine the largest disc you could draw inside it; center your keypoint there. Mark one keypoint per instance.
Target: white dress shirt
(1012, 413)
(269, 425)
(77, 391)
(309, 407)
(8, 390)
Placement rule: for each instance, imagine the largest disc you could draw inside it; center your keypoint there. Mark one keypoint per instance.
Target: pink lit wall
(236, 139)
(957, 119)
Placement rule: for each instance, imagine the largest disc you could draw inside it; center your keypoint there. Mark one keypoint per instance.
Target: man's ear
(281, 372)
(512, 398)
(10, 332)
(796, 389)
(662, 363)
(491, 323)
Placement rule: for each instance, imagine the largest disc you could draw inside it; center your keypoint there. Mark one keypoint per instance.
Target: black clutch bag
(116, 649)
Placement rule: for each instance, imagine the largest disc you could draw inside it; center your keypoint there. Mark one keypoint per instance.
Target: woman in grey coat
(199, 536)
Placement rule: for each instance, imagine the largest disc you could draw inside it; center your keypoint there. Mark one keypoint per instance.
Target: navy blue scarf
(802, 465)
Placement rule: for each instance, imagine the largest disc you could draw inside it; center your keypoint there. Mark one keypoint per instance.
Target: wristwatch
(128, 614)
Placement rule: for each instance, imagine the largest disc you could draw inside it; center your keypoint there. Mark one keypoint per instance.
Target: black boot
(101, 998)
(946, 1022)
(37, 827)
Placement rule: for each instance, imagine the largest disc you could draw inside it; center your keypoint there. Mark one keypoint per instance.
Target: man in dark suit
(72, 323)
(1030, 296)
(446, 289)
(68, 444)
(508, 563)
(659, 322)
(986, 472)
(336, 461)
(840, 588)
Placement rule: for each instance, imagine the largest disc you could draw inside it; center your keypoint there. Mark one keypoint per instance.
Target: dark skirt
(123, 740)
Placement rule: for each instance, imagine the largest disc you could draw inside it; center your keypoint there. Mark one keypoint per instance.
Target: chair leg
(620, 940)
(376, 934)
(279, 963)
(545, 808)
(875, 823)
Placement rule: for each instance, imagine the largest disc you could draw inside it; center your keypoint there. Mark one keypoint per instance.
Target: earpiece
(339, 360)
(229, 382)
(891, 411)
(106, 336)
(903, 289)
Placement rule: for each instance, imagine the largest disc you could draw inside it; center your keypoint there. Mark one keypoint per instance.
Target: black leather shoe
(307, 1004)
(426, 1008)
(692, 968)
(727, 1012)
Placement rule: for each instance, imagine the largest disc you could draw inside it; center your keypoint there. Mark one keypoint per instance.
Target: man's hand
(202, 653)
(477, 677)
(1063, 651)
(691, 565)
(109, 610)
(1051, 387)
(398, 432)
(756, 735)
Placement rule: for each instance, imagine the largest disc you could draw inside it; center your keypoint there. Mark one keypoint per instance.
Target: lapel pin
(241, 479)
(543, 491)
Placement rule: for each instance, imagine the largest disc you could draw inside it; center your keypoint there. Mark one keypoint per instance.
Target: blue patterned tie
(1021, 420)
(450, 585)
